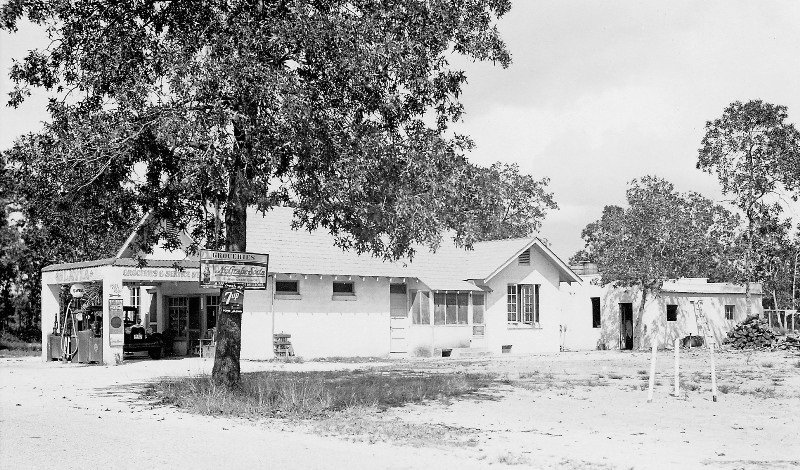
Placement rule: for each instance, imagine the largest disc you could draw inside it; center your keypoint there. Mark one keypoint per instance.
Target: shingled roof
(314, 253)
(304, 252)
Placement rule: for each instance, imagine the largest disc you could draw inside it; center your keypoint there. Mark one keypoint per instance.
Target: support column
(49, 310)
(112, 289)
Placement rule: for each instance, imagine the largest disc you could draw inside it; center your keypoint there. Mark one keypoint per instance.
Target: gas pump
(69, 327)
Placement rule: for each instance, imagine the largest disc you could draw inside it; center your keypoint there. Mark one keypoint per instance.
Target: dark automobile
(138, 338)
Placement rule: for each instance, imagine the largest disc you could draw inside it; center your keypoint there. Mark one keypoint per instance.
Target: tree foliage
(339, 108)
(323, 103)
(509, 204)
(662, 234)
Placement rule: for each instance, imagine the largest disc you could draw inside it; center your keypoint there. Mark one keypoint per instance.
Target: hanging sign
(248, 270)
(115, 322)
(231, 299)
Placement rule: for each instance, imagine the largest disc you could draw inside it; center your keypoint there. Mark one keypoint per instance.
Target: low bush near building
(311, 394)
(10, 345)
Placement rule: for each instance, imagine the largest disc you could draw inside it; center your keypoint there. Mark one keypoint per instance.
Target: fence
(788, 320)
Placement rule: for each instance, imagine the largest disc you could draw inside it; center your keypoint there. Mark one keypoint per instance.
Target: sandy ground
(568, 410)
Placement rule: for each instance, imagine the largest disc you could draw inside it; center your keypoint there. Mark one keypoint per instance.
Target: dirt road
(570, 410)
(55, 416)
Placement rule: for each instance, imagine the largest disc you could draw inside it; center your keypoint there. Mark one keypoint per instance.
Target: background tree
(773, 256)
(58, 217)
(509, 204)
(755, 153)
(339, 107)
(661, 235)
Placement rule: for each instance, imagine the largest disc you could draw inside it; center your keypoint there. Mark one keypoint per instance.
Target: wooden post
(652, 374)
(713, 374)
(677, 367)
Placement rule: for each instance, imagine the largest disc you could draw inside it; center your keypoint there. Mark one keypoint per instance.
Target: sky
(599, 93)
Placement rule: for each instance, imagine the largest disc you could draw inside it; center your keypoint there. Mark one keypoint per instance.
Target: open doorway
(626, 326)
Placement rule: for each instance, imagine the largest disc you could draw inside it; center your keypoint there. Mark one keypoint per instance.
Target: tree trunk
(638, 322)
(226, 370)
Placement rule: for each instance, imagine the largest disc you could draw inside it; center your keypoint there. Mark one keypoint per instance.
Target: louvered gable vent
(525, 257)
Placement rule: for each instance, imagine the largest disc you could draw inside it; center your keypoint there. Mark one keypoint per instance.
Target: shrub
(14, 346)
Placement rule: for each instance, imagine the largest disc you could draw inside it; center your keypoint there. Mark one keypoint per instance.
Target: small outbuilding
(602, 317)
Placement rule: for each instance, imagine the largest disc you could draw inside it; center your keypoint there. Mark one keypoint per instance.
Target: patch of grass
(11, 346)
(568, 464)
(614, 375)
(349, 359)
(768, 364)
(367, 425)
(528, 375)
(797, 364)
(727, 388)
(761, 392)
(642, 372)
(290, 359)
(507, 458)
(311, 394)
(691, 386)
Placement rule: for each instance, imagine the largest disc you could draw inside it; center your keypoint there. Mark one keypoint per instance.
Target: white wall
(655, 326)
(429, 338)
(524, 338)
(579, 333)
(320, 324)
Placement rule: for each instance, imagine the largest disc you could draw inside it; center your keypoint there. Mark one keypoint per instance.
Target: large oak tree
(340, 108)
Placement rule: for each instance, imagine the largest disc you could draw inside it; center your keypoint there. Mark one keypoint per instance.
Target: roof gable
(157, 252)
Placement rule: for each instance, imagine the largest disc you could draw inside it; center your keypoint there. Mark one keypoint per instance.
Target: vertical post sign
(231, 299)
(117, 331)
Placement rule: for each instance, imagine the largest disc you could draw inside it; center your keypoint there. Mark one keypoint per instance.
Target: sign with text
(231, 299)
(115, 322)
(248, 270)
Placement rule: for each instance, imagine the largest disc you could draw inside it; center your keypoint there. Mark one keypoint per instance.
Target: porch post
(49, 310)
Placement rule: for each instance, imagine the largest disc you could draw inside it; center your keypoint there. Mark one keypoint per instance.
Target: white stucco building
(503, 296)
(596, 316)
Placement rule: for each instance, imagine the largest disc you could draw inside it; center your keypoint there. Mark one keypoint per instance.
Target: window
(525, 258)
(596, 312)
(397, 288)
(438, 308)
(672, 313)
(343, 288)
(286, 287)
(154, 311)
(523, 303)
(450, 308)
(729, 312)
(420, 307)
(212, 308)
(135, 297)
(478, 308)
(512, 302)
(178, 314)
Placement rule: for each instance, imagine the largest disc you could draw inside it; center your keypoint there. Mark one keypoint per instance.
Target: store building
(502, 296)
